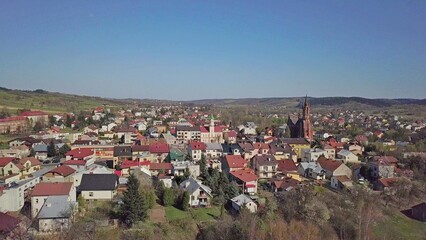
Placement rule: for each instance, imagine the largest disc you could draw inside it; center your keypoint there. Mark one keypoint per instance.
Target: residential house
(140, 152)
(186, 134)
(80, 154)
(159, 152)
(341, 182)
(196, 150)
(40, 151)
(312, 155)
(98, 186)
(261, 148)
(297, 144)
(30, 165)
(248, 150)
(283, 183)
(179, 168)
(157, 168)
(312, 170)
(56, 214)
(382, 166)
(213, 150)
(230, 136)
(233, 162)
(331, 151)
(246, 179)
(122, 153)
(334, 168)
(385, 183)
(8, 167)
(266, 166)
(62, 173)
(200, 194)
(288, 168)
(44, 190)
(347, 156)
(243, 201)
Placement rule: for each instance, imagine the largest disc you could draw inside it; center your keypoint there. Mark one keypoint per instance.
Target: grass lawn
(206, 214)
(398, 226)
(173, 213)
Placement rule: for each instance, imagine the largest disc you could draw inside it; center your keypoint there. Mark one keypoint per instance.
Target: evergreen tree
(202, 163)
(231, 191)
(51, 149)
(185, 201)
(187, 173)
(63, 150)
(168, 197)
(134, 208)
(52, 120)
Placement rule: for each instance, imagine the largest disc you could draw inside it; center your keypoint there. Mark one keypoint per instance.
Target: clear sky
(185, 50)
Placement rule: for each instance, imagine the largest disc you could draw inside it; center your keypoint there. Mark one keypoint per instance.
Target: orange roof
(235, 161)
(245, 175)
(52, 189)
(63, 170)
(6, 160)
(329, 165)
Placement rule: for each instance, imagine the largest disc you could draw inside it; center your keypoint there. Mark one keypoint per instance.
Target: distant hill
(40, 99)
(51, 101)
(323, 101)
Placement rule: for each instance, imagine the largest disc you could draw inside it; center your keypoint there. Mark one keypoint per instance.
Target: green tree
(149, 197)
(51, 149)
(187, 173)
(63, 150)
(168, 197)
(52, 120)
(202, 163)
(185, 201)
(134, 208)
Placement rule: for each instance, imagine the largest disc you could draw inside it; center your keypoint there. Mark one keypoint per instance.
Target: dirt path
(158, 214)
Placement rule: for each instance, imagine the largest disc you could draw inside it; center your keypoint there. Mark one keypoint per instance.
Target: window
(36, 201)
(90, 194)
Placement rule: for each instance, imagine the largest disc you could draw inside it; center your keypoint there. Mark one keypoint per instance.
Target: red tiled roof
(387, 182)
(232, 134)
(385, 159)
(198, 146)
(52, 189)
(80, 153)
(7, 223)
(6, 160)
(260, 145)
(329, 165)
(127, 164)
(159, 148)
(287, 165)
(203, 129)
(245, 175)
(32, 113)
(235, 161)
(74, 162)
(140, 148)
(63, 170)
(159, 166)
(13, 119)
(34, 161)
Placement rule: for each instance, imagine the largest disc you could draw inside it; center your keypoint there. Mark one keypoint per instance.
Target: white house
(98, 186)
(243, 201)
(56, 214)
(44, 190)
(347, 156)
(200, 195)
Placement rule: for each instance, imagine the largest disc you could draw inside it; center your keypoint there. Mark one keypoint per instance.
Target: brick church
(301, 127)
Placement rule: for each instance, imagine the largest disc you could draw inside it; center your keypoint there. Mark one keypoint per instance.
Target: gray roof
(345, 152)
(56, 207)
(40, 148)
(98, 182)
(214, 146)
(191, 185)
(241, 199)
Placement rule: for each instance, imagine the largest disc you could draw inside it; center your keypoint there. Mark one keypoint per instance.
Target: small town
(213, 120)
(88, 174)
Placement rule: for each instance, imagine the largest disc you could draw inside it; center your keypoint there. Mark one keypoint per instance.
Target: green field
(51, 102)
(398, 226)
(198, 214)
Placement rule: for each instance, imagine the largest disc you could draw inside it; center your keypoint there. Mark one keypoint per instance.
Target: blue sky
(185, 50)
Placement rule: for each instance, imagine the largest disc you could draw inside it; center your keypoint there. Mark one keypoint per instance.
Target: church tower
(211, 128)
(307, 126)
